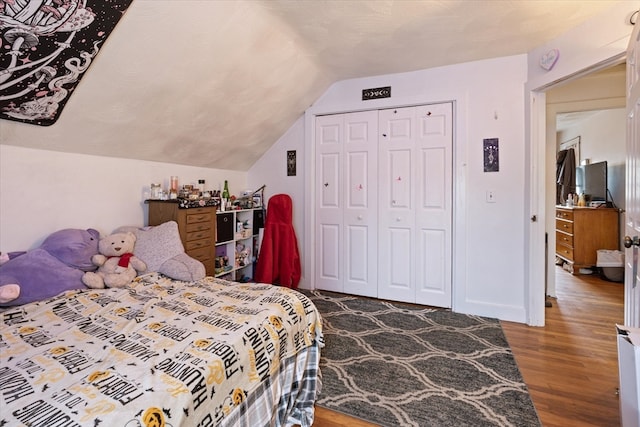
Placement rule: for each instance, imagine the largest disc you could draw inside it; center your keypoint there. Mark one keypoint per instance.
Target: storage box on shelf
(237, 243)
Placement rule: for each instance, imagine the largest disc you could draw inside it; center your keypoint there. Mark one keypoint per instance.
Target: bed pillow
(161, 249)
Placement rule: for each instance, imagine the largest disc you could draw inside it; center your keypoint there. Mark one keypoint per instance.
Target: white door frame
(535, 130)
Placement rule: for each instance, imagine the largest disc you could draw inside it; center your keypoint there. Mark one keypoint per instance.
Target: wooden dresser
(197, 227)
(581, 231)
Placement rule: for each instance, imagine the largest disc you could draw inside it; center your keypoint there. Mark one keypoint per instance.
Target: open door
(632, 222)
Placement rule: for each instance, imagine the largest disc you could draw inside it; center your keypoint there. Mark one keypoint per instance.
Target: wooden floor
(570, 366)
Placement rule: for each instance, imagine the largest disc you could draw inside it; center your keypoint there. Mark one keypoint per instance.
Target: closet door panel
(433, 185)
(431, 264)
(399, 179)
(329, 203)
(357, 265)
(346, 203)
(329, 257)
(434, 146)
(360, 211)
(330, 177)
(396, 204)
(358, 180)
(398, 260)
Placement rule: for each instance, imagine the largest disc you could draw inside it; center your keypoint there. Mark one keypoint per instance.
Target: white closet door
(361, 203)
(397, 212)
(434, 142)
(346, 205)
(415, 204)
(329, 203)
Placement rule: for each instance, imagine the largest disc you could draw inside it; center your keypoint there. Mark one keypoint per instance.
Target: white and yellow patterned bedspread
(160, 353)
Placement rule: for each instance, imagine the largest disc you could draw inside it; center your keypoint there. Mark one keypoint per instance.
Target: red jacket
(279, 259)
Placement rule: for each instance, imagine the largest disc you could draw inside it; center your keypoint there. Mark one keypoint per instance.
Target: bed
(162, 352)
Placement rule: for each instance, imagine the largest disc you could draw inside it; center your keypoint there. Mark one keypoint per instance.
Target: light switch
(491, 196)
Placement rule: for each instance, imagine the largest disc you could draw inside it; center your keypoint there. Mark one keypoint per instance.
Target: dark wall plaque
(291, 163)
(375, 93)
(491, 155)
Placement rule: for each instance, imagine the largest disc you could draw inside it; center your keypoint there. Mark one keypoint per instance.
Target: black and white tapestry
(46, 47)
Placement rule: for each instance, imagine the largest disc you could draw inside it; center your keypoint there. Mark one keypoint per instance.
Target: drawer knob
(631, 241)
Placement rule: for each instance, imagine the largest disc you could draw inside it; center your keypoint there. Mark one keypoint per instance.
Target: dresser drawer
(566, 226)
(564, 239)
(202, 254)
(562, 214)
(193, 218)
(564, 251)
(197, 244)
(200, 234)
(197, 226)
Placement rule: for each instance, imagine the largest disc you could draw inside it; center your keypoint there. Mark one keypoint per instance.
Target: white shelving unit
(236, 244)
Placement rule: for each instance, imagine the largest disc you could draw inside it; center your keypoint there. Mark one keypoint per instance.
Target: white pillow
(161, 249)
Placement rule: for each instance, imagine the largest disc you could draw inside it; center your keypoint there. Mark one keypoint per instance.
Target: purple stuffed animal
(55, 267)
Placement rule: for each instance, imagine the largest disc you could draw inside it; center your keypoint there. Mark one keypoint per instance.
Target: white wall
(598, 39)
(271, 170)
(488, 237)
(602, 136)
(44, 191)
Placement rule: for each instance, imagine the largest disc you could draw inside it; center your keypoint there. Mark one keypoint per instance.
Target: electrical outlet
(491, 196)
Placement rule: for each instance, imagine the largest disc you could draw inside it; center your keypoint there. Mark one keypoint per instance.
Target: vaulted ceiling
(215, 83)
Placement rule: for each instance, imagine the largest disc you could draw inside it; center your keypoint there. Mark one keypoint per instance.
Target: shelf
(237, 243)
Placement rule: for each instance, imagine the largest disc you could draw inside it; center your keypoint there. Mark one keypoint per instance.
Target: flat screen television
(591, 180)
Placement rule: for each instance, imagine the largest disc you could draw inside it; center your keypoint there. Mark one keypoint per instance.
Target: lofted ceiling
(215, 83)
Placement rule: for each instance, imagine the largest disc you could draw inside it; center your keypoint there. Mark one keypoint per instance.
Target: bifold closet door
(415, 204)
(346, 203)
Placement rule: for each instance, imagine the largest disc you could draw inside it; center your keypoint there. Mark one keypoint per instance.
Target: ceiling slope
(216, 83)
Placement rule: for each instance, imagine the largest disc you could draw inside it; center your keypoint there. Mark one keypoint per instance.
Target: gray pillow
(161, 249)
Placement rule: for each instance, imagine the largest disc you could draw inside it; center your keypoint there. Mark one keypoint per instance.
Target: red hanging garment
(279, 259)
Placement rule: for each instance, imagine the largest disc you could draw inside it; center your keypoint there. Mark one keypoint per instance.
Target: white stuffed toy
(117, 266)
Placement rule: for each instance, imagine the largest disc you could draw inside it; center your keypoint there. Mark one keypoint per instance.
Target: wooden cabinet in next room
(582, 231)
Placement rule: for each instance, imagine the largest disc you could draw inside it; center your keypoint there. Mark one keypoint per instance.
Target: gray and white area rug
(396, 364)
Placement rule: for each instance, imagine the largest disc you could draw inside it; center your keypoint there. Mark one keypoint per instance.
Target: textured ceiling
(216, 83)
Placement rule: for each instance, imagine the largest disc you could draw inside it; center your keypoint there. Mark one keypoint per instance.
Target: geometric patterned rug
(397, 364)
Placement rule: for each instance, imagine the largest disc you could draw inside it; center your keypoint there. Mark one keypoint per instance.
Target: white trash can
(612, 264)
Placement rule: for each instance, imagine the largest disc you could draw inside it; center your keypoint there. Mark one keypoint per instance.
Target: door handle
(631, 241)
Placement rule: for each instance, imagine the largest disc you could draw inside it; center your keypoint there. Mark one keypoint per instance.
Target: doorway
(590, 109)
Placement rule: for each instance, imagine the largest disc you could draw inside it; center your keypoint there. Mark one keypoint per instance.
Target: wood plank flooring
(570, 366)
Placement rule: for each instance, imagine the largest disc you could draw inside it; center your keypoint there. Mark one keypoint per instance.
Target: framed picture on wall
(291, 163)
(491, 151)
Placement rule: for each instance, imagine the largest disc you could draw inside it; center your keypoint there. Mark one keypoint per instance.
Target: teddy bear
(56, 266)
(117, 266)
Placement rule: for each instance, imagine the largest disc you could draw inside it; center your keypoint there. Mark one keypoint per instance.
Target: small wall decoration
(376, 93)
(45, 49)
(549, 59)
(491, 157)
(291, 163)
